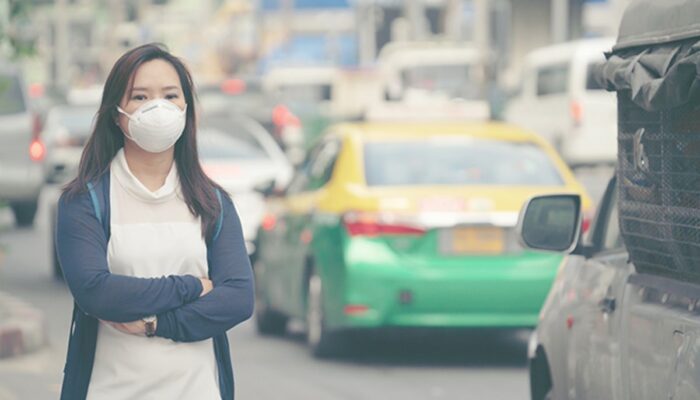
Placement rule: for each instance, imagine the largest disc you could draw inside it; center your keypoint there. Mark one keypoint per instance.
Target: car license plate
(478, 240)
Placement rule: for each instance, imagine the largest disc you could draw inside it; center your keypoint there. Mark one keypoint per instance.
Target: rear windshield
(461, 161)
(76, 121)
(453, 80)
(11, 98)
(218, 145)
(305, 94)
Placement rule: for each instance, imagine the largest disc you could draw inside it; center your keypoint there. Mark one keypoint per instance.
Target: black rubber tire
(322, 342)
(24, 213)
(267, 321)
(541, 386)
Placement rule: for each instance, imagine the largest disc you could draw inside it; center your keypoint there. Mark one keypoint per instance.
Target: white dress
(153, 234)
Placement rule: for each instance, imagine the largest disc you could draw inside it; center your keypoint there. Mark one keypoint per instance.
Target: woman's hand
(207, 286)
(137, 328)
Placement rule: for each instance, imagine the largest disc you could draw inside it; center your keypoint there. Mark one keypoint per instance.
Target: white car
(430, 81)
(561, 99)
(21, 149)
(241, 156)
(66, 130)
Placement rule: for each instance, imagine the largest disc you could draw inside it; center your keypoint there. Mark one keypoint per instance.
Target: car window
(217, 145)
(317, 169)
(11, 96)
(305, 94)
(455, 81)
(236, 129)
(552, 80)
(73, 122)
(458, 161)
(321, 168)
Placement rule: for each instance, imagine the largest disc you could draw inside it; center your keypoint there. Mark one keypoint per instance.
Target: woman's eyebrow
(171, 87)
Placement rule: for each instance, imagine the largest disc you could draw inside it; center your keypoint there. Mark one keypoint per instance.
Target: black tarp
(657, 55)
(655, 68)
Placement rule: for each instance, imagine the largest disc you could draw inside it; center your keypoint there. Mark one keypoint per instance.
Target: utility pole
(61, 48)
(366, 23)
(415, 14)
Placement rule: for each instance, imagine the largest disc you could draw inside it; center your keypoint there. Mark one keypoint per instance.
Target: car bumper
(21, 184)
(490, 292)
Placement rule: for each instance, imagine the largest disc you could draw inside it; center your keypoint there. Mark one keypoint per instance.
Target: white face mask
(156, 125)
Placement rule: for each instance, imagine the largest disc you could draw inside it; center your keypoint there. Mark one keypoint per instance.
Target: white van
(561, 100)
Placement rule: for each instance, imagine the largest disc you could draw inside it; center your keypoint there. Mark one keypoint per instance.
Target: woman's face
(155, 79)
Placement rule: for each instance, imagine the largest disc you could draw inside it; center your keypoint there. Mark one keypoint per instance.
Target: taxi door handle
(608, 305)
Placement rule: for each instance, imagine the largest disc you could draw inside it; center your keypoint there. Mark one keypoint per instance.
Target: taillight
(37, 150)
(269, 222)
(355, 309)
(370, 224)
(586, 221)
(280, 114)
(576, 110)
(233, 86)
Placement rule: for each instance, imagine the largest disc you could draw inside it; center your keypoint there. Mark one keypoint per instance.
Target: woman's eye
(171, 96)
(138, 97)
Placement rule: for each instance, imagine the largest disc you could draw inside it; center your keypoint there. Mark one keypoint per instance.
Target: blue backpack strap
(95, 202)
(220, 222)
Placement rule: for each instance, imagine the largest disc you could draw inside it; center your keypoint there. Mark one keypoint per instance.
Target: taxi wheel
(322, 342)
(267, 321)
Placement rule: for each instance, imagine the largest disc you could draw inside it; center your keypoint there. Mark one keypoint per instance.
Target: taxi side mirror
(551, 223)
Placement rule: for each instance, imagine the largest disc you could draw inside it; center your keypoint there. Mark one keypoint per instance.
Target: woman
(151, 248)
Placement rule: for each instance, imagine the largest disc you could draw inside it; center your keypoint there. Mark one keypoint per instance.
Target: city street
(438, 366)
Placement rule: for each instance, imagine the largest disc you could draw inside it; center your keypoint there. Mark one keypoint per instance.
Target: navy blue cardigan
(82, 234)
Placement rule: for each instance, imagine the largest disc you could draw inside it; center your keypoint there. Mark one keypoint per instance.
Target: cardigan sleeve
(230, 302)
(81, 245)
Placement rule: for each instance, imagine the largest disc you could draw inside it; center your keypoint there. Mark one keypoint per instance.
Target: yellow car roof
(368, 131)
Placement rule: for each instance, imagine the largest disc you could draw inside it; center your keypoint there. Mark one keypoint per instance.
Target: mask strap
(119, 109)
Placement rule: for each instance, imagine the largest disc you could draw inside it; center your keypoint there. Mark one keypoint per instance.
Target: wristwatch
(150, 322)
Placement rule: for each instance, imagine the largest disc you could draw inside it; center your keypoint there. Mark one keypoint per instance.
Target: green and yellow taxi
(390, 225)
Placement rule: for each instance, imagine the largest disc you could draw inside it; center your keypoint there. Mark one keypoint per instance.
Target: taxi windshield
(458, 161)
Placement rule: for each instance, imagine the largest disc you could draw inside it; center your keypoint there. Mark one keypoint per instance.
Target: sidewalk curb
(22, 327)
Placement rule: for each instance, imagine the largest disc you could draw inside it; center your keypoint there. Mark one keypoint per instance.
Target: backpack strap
(220, 222)
(95, 202)
(99, 197)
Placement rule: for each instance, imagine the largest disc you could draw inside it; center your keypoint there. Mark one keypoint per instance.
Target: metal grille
(659, 182)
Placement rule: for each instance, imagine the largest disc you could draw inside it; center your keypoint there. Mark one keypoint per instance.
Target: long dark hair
(107, 138)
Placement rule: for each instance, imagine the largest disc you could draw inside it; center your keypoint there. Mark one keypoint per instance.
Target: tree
(16, 37)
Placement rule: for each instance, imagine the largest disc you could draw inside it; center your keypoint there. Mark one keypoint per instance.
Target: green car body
(406, 275)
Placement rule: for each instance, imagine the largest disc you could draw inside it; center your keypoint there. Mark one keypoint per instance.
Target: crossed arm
(182, 314)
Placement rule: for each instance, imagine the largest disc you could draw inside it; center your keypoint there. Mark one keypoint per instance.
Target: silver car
(21, 149)
(66, 130)
(607, 331)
